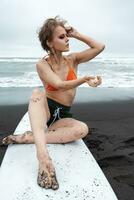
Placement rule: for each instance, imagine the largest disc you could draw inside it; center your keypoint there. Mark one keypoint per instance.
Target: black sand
(110, 114)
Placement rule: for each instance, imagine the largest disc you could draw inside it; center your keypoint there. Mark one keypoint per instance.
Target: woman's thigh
(67, 122)
(40, 98)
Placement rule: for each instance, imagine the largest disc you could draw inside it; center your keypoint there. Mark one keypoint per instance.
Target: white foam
(30, 79)
(115, 71)
(31, 60)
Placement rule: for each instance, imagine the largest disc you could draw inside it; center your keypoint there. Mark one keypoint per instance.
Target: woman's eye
(61, 37)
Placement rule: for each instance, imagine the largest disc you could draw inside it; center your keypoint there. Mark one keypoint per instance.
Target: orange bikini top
(71, 76)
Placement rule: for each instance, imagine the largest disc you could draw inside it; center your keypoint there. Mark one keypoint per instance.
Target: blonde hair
(46, 31)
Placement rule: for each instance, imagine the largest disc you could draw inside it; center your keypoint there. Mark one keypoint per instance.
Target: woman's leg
(39, 115)
(66, 130)
(62, 131)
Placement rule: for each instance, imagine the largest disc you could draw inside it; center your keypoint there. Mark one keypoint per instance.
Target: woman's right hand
(71, 32)
(93, 81)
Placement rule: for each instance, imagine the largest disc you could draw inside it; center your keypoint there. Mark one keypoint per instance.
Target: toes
(4, 141)
(8, 140)
(55, 184)
(17, 139)
(44, 180)
(47, 178)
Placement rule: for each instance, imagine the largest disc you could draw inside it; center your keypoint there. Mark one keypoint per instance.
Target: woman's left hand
(71, 32)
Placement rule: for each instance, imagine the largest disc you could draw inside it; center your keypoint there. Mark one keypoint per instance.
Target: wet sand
(110, 114)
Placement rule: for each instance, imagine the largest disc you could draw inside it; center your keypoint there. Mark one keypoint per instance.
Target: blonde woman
(49, 110)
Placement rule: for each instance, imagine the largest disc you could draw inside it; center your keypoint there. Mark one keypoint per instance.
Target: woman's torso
(64, 97)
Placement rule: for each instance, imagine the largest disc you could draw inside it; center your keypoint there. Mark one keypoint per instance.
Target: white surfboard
(78, 174)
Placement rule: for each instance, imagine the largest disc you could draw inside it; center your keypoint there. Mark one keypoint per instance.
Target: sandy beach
(110, 114)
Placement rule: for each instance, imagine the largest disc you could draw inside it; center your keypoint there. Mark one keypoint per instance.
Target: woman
(51, 107)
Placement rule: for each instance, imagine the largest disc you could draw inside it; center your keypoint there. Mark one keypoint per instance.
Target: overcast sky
(108, 21)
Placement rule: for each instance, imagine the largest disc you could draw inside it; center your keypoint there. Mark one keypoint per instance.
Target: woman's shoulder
(42, 61)
(42, 66)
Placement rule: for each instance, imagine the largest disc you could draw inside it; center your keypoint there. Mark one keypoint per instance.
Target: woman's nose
(67, 39)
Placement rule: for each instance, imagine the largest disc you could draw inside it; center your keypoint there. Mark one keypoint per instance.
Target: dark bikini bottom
(57, 111)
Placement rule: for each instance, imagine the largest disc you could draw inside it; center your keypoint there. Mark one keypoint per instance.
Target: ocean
(115, 71)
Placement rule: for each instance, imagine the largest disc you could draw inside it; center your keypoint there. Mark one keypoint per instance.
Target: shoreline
(110, 114)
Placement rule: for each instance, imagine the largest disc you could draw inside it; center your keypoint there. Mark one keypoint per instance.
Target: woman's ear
(49, 44)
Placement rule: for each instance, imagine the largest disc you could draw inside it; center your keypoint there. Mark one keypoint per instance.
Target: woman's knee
(36, 91)
(38, 99)
(37, 95)
(85, 128)
(81, 130)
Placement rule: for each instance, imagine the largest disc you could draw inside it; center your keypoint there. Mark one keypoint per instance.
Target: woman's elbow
(101, 47)
(61, 85)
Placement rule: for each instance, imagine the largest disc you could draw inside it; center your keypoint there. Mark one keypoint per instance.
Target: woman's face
(60, 41)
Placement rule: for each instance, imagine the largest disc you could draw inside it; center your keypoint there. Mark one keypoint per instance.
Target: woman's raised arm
(88, 54)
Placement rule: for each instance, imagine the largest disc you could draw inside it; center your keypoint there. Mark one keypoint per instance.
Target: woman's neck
(57, 59)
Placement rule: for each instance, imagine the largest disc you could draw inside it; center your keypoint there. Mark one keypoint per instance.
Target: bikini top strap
(51, 67)
(68, 64)
(49, 64)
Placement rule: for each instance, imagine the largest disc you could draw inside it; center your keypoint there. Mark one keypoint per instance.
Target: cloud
(107, 21)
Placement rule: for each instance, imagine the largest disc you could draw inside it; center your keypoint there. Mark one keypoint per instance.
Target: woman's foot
(46, 175)
(25, 138)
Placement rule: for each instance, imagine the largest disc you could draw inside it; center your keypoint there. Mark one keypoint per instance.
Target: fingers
(99, 78)
(68, 28)
(92, 84)
(71, 32)
(94, 81)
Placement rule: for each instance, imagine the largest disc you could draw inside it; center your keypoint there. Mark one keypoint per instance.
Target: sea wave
(105, 59)
(17, 59)
(31, 79)
(115, 71)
